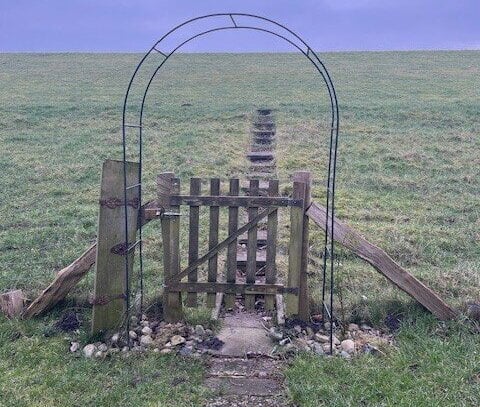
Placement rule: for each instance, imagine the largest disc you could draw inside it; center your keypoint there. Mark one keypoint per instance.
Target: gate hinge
(113, 203)
(105, 299)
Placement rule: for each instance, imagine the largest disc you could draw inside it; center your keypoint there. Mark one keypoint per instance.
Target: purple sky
(327, 25)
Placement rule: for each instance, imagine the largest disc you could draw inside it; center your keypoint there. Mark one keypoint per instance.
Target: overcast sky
(327, 25)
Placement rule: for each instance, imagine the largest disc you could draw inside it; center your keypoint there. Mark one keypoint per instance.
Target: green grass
(433, 366)
(408, 178)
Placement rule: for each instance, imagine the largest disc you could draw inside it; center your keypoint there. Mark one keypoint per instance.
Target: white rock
(74, 346)
(89, 350)
(146, 330)
(99, 354)
(133, 335)
(102, 347)
(348, 346)
(336, 341)
(365, 327)
(115, 338)
(164, 351)
(176, 340)
(199, 330)
(146, 340)
(156, 350)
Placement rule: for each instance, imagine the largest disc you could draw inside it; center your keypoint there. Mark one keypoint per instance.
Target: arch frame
(233, 22)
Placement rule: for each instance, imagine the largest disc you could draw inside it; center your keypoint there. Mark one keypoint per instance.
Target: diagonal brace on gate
(223, 244)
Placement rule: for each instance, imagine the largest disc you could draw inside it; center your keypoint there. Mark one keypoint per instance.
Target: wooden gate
(262, 203)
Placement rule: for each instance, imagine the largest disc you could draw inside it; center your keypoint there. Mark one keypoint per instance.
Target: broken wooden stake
(69, 277)
(383, 263)
(11, 303)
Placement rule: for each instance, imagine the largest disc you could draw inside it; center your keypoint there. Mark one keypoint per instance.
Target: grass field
(408, 178)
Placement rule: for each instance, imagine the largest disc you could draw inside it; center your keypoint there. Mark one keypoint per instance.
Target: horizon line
(250, 52)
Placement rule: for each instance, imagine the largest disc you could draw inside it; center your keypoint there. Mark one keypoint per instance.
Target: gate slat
(271, 269)
(213, 240)
(232, 247)
(195, 189)
(252, 246)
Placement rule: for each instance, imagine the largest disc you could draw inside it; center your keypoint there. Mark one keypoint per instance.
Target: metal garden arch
(220, 22)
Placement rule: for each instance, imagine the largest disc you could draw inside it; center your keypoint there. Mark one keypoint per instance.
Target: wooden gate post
(303, 299)
(109, 298)
(295, 250)
(167, 185)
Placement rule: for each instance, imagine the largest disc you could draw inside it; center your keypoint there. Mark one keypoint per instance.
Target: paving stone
(254, 386)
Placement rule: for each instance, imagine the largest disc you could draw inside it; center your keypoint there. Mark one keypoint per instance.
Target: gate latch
(171, 214)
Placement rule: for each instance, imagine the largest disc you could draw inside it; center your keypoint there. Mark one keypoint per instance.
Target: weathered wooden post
(303, 296)
(172, 301)
(295, 250)
(109, 298)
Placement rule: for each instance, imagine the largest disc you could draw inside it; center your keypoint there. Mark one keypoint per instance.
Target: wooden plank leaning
(384, 264)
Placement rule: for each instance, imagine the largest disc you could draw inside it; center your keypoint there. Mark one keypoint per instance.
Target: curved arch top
(198, 27)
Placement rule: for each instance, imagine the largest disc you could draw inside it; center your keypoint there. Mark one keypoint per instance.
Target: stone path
(242, 372)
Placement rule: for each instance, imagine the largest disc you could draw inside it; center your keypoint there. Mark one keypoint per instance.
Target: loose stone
(176, 340)
(283, 342)
(74, 347)
(348, 346)
(199, 330)
(274, 334)
(146, 330)
(345, 355)
(89, 350)
(164, 351)
(352, 327)
(322, 338)
(146, 340)
(317, 348)
(102, 347)
(133, 335)
(115, 338)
